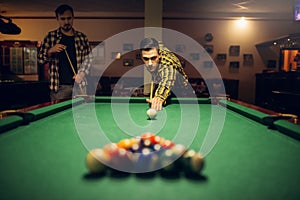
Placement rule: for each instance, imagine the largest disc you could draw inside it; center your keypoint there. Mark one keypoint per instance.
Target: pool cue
(81, 90)
(151, 94)
(151, 90)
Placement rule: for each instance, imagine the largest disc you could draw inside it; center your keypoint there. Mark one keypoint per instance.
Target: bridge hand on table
(156, 103)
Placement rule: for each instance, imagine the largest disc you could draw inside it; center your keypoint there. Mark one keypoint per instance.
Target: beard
(67, 27)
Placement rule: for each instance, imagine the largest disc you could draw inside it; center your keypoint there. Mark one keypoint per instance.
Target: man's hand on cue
(79, 77)
(56, 49)
(156, 103)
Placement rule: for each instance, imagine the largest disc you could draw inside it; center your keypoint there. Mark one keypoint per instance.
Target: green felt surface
(46, 159)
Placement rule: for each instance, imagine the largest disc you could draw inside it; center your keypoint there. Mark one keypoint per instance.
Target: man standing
(68, 53)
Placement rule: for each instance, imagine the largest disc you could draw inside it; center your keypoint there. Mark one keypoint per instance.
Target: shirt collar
(59, 32)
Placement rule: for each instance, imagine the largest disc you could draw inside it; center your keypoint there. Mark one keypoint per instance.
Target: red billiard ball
(155, 140)
(166, 144)
(147, 135)
(111, 149)
(119, 158)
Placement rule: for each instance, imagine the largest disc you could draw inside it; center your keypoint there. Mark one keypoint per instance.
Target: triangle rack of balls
(143, 154)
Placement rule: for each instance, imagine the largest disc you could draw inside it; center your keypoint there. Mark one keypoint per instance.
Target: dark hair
(62, 8)
(149, 43)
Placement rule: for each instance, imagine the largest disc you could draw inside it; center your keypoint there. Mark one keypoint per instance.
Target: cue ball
(94, 161)
(151, 113)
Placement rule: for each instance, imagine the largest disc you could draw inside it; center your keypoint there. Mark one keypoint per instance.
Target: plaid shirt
(169, 73)
(83, 55)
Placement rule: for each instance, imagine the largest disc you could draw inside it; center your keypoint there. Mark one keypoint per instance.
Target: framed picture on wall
(221, 56)
(209, 48)
(127, 47)
(234, 66)
(195, 56)
(234, 50)
(180, 48)
(248, 59)
(221, 59)
(208, 64)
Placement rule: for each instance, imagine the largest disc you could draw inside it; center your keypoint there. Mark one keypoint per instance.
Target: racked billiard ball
(123, 161)
(167, 144)
(167, 162)
(193, 162)
(197, 163)
(125, 143)
(143, 160)
(95, 161)
(179, 150)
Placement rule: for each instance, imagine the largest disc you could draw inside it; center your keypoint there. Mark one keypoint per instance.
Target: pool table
(43, 151)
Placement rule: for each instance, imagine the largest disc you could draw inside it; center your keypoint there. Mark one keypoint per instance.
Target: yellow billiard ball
(95, 161)
(125, 143)
(197, 162)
